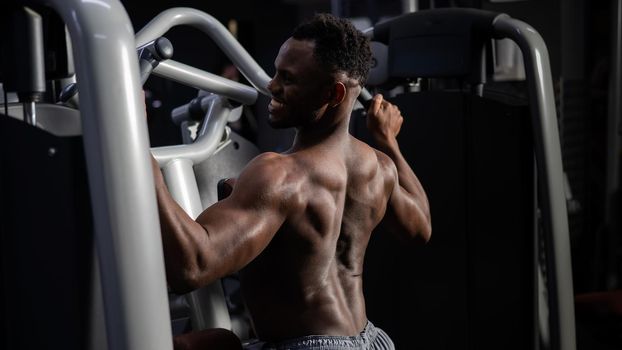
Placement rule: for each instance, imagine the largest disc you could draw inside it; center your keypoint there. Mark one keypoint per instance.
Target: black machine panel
(472, 285)
(46, 239)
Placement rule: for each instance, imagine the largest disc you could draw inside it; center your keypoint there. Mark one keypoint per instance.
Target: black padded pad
(47, 239)
(437, 43)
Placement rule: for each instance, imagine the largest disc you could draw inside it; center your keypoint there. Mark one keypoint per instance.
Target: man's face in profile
(299, 87)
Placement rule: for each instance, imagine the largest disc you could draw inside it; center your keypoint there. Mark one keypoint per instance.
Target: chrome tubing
(126, 225)
(550, 171)
(216, 31)
(203, 80)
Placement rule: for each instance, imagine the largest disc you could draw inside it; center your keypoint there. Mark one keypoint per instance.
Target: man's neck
(332, 127)
(319, 133)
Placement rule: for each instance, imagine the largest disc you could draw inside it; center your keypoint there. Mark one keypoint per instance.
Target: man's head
(339, 46)
(325, 61)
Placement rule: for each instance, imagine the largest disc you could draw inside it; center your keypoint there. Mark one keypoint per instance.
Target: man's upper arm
(239, 227)
(404, 217)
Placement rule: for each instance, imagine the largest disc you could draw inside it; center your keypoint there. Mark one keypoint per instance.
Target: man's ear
(338, 94)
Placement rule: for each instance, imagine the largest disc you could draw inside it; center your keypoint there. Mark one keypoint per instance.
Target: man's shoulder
(271, 177)
(372, 154)
(270, 169)
(271, 163)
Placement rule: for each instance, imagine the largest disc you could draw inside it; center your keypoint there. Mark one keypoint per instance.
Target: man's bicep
(239, 227)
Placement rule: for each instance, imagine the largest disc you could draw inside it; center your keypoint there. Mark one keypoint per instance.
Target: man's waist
(369, 337)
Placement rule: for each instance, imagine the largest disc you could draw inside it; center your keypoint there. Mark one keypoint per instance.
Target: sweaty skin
(297, 224)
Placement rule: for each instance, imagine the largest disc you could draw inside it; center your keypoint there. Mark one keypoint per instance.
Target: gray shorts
(371, 338)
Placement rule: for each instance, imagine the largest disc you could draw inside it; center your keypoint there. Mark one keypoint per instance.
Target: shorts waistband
(367, 339)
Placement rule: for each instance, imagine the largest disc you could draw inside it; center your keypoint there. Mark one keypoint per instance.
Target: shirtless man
(297, 224)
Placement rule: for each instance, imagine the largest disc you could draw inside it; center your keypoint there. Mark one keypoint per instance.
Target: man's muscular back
(299, 224)
(308, 280)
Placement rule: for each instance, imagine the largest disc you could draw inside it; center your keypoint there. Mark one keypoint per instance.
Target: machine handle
(150, 55)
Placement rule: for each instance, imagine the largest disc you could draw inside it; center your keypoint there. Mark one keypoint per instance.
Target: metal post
(614, 130)
(409, 6)
(127, 232)
(209, 308)
(30, 113)
(549, 163)
(336, 8)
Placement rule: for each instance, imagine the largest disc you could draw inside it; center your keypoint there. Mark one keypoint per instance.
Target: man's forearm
(178, 237)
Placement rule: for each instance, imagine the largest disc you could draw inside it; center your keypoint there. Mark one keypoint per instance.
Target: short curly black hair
(339, 46)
